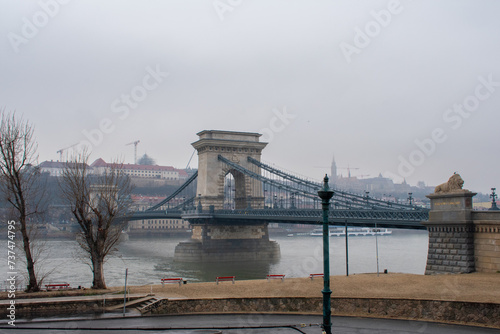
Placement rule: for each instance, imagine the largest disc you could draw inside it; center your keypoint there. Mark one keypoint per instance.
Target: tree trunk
(98, 264)
(30, 265)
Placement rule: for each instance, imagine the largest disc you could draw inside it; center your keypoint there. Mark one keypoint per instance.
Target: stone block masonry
(451, 233)
(468, 313)
(226, 243)
(487, 241)
(211, 240)
(451, 249)
(484, 314)
(461, 240)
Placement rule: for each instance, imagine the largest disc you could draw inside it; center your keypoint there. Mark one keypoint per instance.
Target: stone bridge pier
(461, 240)
(211, 240)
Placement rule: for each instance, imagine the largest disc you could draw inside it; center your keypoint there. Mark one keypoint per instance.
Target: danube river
(150, 259)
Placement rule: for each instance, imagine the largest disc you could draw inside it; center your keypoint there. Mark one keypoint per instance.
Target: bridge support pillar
(451, 233)
(224, 243)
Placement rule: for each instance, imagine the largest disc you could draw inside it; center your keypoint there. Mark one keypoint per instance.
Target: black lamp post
(326, 194)
(493, 196)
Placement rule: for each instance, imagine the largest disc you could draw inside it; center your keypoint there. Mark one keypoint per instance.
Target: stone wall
(484, 314)
(451, 249)
(461, 240)
(225, 232)
(487, 241)
(213, 242)
(451, 233)
(31, 309)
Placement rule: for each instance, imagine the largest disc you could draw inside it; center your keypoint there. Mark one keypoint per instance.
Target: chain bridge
(237, 195)
(260, 192)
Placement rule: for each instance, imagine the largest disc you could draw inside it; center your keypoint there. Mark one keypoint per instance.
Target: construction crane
(135, 149)
(348, 169)
(64, 149)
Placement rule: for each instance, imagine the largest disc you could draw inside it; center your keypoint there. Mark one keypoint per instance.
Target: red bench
(172, 280)
(57, 286)
(281, 277)
(224, 279)
(311, 276)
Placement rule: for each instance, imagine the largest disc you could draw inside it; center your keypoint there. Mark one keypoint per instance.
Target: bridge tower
(235, 146)
(212, 240)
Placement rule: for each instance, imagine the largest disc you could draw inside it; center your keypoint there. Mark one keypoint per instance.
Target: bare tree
(99, 203)
(20, 183)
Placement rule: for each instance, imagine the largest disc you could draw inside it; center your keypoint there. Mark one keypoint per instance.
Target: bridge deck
(384, 218)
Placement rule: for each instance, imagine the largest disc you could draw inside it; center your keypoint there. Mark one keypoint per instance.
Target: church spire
(333, 174)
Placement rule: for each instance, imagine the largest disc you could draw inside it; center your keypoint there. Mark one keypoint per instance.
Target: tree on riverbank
(21, 185)
(99, 202)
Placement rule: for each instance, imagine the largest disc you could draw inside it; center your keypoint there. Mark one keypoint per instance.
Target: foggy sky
(371, 82)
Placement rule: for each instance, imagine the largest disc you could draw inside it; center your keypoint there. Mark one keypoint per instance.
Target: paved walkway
(240, 324)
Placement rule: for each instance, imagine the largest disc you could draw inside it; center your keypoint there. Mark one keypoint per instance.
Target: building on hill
(143, 171)
(55, 168)
(380, 187)
(141, 175)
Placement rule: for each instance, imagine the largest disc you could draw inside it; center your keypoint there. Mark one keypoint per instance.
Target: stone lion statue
(454, 184)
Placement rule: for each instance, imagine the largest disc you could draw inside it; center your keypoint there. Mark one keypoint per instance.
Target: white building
(54, 168)
(142, 171)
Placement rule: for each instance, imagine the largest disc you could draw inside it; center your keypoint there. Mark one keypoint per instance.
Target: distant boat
(290, 235)
(352, 231)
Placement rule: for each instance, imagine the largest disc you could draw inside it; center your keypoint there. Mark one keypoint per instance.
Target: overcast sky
(409, 89)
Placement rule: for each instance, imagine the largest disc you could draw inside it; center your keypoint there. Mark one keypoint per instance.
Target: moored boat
(351, 231)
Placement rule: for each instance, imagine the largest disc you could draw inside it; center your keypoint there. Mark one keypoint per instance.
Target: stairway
(142, 307)
(140, 304)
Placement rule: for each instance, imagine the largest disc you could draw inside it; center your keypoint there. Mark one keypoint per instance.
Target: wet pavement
(236, 324)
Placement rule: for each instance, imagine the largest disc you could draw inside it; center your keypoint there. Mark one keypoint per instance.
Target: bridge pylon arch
(234, 146)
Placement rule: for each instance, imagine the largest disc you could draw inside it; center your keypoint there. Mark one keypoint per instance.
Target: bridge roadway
(405, 219)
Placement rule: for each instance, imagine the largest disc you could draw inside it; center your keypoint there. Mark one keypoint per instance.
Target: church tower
(333, 175)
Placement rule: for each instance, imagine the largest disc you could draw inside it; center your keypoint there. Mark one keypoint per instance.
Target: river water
(150, 259)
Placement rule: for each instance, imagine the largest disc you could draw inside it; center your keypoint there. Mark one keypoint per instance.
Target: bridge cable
(337, 192)
(181, 188)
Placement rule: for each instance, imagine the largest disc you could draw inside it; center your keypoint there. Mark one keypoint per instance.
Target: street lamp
(410, 198)
(326, 194)
(493, 196)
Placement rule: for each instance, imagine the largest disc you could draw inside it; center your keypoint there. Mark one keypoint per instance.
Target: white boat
(362, 231)
(351, 231)
(317, 232)
(337, 232)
